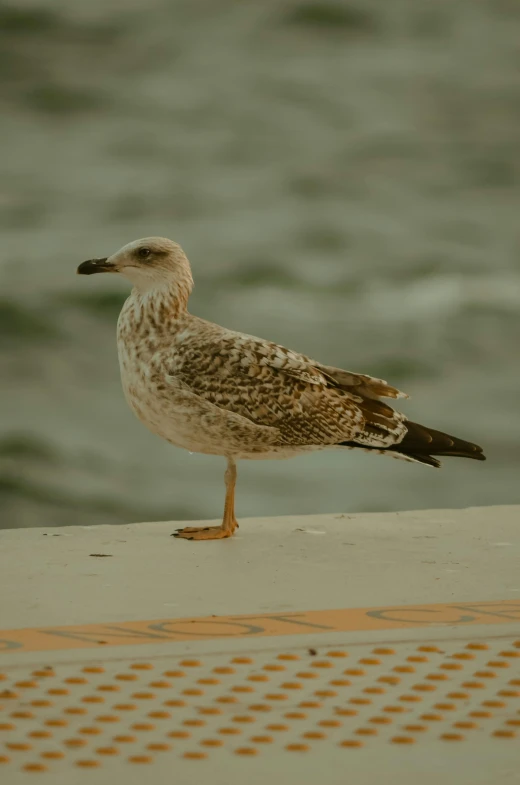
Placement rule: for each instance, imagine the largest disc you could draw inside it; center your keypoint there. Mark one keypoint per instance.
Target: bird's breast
(154, 401)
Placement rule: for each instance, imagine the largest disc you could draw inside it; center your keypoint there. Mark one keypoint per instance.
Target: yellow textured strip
(131, 633)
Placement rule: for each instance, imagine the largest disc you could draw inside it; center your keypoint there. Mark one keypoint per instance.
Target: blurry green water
(344, 177)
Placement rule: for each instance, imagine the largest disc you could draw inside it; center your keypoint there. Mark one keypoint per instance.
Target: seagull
(215, 391)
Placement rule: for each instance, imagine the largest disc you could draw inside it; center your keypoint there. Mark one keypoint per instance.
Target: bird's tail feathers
(421, 444)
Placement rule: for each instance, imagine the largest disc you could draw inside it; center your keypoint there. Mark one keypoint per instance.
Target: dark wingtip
(474, 456)
(420, 440)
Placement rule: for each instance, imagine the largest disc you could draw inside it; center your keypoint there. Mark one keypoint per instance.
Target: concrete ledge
(53, 576)
(388, 644)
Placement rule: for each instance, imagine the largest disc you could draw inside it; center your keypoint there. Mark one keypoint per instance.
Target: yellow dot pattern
(297, 701)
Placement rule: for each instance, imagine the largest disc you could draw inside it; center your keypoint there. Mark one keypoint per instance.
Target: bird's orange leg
(229, 523)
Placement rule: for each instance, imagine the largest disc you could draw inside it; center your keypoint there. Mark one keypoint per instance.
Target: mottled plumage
(220, 392)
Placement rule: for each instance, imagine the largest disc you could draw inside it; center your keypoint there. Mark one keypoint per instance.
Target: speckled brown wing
(273, 386)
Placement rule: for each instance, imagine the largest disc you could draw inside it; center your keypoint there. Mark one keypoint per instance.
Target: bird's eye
(144, 253)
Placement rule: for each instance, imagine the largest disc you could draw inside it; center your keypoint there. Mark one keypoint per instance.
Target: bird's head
(153, 262)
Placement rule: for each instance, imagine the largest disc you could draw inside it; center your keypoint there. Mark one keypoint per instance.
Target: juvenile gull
(220, 392)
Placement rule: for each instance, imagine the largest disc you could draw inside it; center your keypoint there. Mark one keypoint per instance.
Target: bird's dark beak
(92, 266)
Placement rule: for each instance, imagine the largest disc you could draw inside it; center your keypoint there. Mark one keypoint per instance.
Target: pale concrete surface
(271, 564)
(447, 678)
